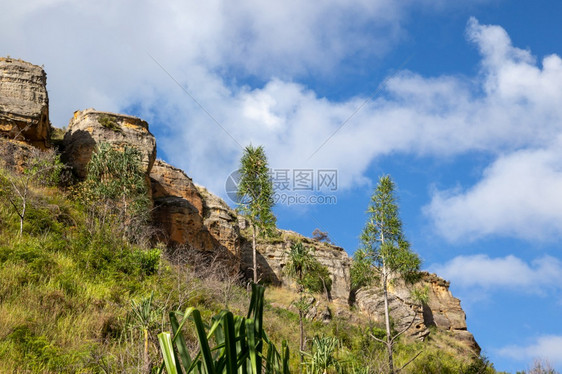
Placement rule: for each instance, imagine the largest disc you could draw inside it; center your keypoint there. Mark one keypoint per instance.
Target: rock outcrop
(190, 216)
(24, 103)
(90, 127)
(442, 309)
(273, 257)
(221, 221)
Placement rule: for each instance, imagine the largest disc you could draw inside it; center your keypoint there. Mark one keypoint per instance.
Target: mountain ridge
(191, 218)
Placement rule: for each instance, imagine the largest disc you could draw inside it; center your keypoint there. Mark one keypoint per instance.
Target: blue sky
(458, 101)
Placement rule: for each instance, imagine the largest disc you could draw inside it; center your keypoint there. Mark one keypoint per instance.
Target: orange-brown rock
(221, 221)
(90, 127)
(441, 310)
(178, 208)
(189, 215)
(24, 103)
(168, 180)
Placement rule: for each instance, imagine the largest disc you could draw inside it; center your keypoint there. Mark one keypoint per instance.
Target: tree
(385, 248)
(308, 273)
(255, 191)
(116, 187)
(42, 168)
(321, 236)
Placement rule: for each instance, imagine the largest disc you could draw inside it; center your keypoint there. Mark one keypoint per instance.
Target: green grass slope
(70, 285)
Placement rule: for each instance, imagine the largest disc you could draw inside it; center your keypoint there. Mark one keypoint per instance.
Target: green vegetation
(79, 293)
(109, 123)
(116, 190)
(386, 253)
(43, 168)
(241, 343)
(310, 276)
(255, 191)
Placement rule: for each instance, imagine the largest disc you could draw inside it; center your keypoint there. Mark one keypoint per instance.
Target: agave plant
(240, 343)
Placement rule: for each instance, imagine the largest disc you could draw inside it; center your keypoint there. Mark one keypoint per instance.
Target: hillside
(73, 277)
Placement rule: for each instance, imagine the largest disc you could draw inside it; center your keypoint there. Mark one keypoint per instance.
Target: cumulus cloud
(95, 52)
(508, 273)
(518, 196)
(547, 347)
(98, 55)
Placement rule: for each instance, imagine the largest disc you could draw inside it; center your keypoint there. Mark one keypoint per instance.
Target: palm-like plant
(143, 315)
(240, 343)
(300, 263)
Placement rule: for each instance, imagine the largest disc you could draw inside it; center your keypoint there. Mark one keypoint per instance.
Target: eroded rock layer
(24, 103)
(89, 127)
(441, 309)
(273, 256)
(188, 215)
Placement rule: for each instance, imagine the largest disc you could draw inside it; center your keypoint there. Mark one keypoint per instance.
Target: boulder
(90, 127)
(24, 103)
(405, 313)
(178, 209)
(168, 180)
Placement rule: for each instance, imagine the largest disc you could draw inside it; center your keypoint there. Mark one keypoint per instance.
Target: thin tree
(116, 187)
(309, 275)
(255, 191)
(385, 248)
(43, 168)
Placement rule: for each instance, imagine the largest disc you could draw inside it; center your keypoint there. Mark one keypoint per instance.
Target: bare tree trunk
(22, 216)
(301, 326)
(146, 361)
(328, 297)
(255, 261)
(387, 320)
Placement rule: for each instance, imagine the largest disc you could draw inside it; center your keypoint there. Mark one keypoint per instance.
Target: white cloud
(502, 273)
(547, 347)
(518, 196)
(95, 55)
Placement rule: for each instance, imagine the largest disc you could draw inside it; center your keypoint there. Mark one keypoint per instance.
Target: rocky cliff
(24, 103)
(189, 217)
(90, 127)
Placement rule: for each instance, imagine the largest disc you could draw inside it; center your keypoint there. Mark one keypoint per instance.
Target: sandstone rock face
(273, 257)
(89, 127)
(168, 180)
(191, 216)
(178, 207)
(24, 103)
(442, 309)
(221, 221)
(402, 309)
